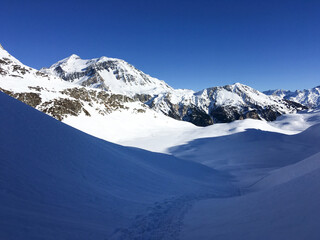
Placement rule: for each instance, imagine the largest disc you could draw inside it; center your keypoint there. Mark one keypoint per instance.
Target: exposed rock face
(197, 117)
(224, 114)
(32, 99)
(297, 105)
(142, 97)
(75, 101)
(63, 107)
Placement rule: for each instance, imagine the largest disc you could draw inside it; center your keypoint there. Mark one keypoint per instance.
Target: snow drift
(287, 209)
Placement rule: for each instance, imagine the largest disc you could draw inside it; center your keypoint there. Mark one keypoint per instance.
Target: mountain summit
(105, 73)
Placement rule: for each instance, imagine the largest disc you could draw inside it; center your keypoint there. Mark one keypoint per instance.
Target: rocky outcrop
(62, 107)
(30, 98)
(197, 117)
(75, 101)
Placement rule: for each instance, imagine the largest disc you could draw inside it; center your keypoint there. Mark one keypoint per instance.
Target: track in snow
(162, 221)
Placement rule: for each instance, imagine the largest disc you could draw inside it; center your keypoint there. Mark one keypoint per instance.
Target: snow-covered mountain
(98, 87)
(306, 97)
(57, 97)
(221, 104)
(11, 69)
(105, 73)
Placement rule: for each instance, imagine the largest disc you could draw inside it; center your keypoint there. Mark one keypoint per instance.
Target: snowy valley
(105, 151)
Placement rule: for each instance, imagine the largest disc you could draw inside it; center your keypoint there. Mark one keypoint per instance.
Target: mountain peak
(74, 56)
(4, 54)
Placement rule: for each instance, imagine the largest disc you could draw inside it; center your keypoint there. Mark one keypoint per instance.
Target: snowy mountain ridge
(211, 105)
(57, 97)
(221, 104)
(307, 97)
(100, 86)
(105, 73)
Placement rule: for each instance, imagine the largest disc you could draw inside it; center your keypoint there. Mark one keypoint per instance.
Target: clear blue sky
(189, 44)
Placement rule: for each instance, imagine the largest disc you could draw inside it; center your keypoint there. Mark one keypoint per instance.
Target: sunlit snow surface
(275, 166)
(244, 180)
(155, 132)
(247, 179)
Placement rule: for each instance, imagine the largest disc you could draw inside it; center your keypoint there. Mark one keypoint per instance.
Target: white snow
(59, 183)
(62, 183)
(247, 179)
(156, 132)
(307, 97)
(140, 82)
(287, 209)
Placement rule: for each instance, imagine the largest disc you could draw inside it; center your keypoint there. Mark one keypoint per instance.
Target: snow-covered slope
(12, 70)
(59, 183)
(288, 210)
(307, 97)
(105, 73)
(159, 135)
(278, 176)
(252, 154)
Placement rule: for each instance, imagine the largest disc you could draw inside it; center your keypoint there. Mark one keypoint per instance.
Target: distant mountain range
(307, 97)
(98, 87)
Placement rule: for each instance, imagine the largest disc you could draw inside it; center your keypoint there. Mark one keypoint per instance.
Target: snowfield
(121, 167)
(287, 209)
(158, 133)
(59, 183)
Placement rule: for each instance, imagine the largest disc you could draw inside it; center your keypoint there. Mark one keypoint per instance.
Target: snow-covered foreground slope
(287, 209)
(252, 154)
(278, 176)
(59, 183)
